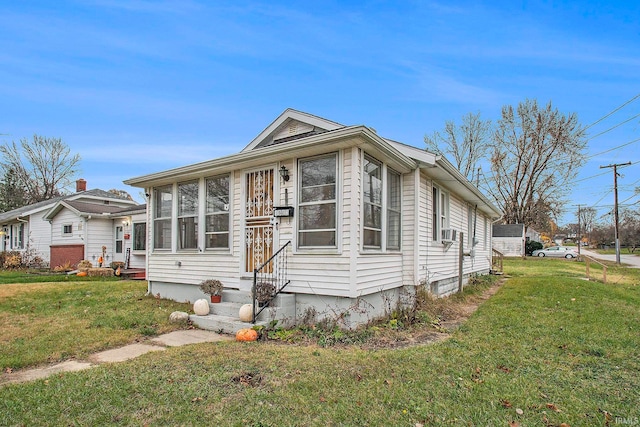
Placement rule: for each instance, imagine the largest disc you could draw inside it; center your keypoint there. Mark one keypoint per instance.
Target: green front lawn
(548, 348)
(51, 322)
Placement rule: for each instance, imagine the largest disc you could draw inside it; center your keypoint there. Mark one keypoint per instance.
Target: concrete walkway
(631, 260)
(131, 351)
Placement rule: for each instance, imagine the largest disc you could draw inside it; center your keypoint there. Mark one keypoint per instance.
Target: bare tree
(587, 220)
(535, 153)
(44, 167)
(467, 143)
(121, 193)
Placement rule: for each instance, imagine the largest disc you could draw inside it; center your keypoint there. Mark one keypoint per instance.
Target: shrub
(13, 261)
(531, 246)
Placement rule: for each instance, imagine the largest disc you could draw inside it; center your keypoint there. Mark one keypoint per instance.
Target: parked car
(556, 251)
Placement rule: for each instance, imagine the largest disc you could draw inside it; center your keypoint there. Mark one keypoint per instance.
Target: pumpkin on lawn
(81, 273)
(246, 334)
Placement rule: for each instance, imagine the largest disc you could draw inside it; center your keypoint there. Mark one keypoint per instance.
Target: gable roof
(297, 134)
(508, 230)
(85, 209)
(27, 210)
(291, 124)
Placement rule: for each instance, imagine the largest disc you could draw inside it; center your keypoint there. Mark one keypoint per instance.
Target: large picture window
(139, 236)
(372, 199)
(317, 201)
(188, 215)
(217, 212)
(162, 210)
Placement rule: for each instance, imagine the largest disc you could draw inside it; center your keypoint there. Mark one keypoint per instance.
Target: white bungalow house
(73, 227)
(354, 221)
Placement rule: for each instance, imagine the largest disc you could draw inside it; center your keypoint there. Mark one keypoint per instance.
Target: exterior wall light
(284, 173)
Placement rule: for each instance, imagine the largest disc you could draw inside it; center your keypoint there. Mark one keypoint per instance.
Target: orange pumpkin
(246, 334)
(81, 273)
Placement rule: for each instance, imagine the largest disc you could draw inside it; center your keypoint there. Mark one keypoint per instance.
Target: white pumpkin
(201, 307)
(246, 313)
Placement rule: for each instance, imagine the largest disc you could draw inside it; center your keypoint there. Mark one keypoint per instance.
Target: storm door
(258, 213)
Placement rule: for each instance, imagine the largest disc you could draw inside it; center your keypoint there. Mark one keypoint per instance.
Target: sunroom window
(217, 212)
(163, 207)
(317, 201)
(188, 215)
(393, 210)
(372, 198)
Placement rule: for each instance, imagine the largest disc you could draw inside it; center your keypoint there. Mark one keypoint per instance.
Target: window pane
(318, 238)
(393, 186)
(139, 236)
(372, 216)
(217, 208)
(321, 192)
(317, 209)
(188, 228)
(163, 198)
(188, 199)
(393, 230)
(218, 194)
(372, 238)
(218, 240)
(318, 171)
(372, 181)
(434, 214)
(162, 234)
(218, 222)
(313, 217)
(118, 246)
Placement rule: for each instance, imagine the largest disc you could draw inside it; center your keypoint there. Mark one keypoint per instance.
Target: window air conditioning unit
(449, 235)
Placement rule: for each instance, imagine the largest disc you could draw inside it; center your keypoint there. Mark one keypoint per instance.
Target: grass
(35, 276)
(51, 322)
(548, 348)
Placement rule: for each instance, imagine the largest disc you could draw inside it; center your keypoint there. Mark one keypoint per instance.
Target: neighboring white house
(71, 227)
(362, 219)
(509, 239)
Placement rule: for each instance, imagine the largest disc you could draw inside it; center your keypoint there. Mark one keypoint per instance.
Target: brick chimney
(81, 185)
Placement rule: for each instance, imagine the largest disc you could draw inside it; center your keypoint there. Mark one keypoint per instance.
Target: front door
(259, 192)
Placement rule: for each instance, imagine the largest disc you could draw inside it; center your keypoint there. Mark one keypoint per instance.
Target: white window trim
(442, 210)
(328, 250)
(384, 231)
(203, 211)
(196, 215)
(65, 234)
(387, 209)
(172, 219)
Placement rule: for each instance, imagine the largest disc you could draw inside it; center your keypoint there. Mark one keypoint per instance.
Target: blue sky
(137, 86)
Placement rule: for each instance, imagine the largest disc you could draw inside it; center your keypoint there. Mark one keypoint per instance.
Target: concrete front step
(222, 324)
(224, 316)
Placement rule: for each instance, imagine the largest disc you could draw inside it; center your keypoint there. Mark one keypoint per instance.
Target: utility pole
(615, 205)
(579, 238)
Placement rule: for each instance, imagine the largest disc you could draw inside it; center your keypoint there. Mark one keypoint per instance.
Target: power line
(613, 127)
(613, 149)
(612, 112)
